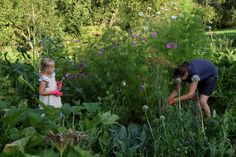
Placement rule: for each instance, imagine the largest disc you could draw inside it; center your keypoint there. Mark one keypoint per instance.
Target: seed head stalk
(200, 110)
(149, 125)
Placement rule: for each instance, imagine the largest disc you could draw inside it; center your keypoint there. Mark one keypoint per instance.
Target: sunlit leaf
(15, 146)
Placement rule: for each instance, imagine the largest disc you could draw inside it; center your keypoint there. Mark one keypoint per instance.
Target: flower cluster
(171, 45)
(79, 74)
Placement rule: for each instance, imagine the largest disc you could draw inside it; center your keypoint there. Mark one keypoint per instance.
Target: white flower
(62, 115)
(42, 115)
(209, 27)
(214, 114)
(177, 80)
(195, 78)
(141, 14)
(99, 98)
(124, 83)
(145, 108)
(173, 17)
(162, 118)
(158, 13)
(173, 3)
(145, 28)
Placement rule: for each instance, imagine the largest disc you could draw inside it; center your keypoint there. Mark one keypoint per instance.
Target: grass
(226, 34)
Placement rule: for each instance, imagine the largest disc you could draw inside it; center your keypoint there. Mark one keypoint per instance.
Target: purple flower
(68, 75)
(81, 65)
(153, 34)
(168, 45)
(133, 36)
(135, 44)
(101, 51)
(76, 41)
(80, 75)
(171, 45)
(174, 45)
(144, 39)
(142, 87)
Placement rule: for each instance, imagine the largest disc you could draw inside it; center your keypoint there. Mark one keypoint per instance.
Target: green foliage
(181, 133)
(225, 60)
(224, 12)
(116, 64)
(131, 141)
(28, 128)
(117, 56)
(18, 145)
(25, 25)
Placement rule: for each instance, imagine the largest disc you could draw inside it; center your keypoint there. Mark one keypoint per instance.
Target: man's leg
(204, 105)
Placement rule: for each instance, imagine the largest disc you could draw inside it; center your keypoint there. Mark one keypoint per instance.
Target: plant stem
(73, 121)
(149, 125)
(63, 121)
(179, 102)
(200, 109)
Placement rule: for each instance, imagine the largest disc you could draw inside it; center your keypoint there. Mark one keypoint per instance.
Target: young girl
(202, 76)
(49, 90)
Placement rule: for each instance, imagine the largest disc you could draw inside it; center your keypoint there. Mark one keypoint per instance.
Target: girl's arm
(192, 89)
(42, 87)
(175, 91)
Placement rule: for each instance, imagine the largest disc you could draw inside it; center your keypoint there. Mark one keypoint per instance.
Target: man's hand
(171, 101)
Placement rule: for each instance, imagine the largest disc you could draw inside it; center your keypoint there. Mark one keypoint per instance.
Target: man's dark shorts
(206, 87)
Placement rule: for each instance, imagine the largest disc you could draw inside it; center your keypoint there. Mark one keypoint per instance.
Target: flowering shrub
(126, 70)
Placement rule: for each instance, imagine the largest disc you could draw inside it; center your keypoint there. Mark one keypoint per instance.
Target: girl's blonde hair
(45, 63)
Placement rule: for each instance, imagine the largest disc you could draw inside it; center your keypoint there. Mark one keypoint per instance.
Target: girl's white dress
(50, 86)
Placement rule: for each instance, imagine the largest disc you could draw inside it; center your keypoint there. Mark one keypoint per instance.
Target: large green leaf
(49, 153)
(13, 115)
(92, 107)
(34, 118)
(28, 131)
(3, 105)
(78, 152)
(29, 155)
(67, 109)
(108, 118)
(16, 146)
